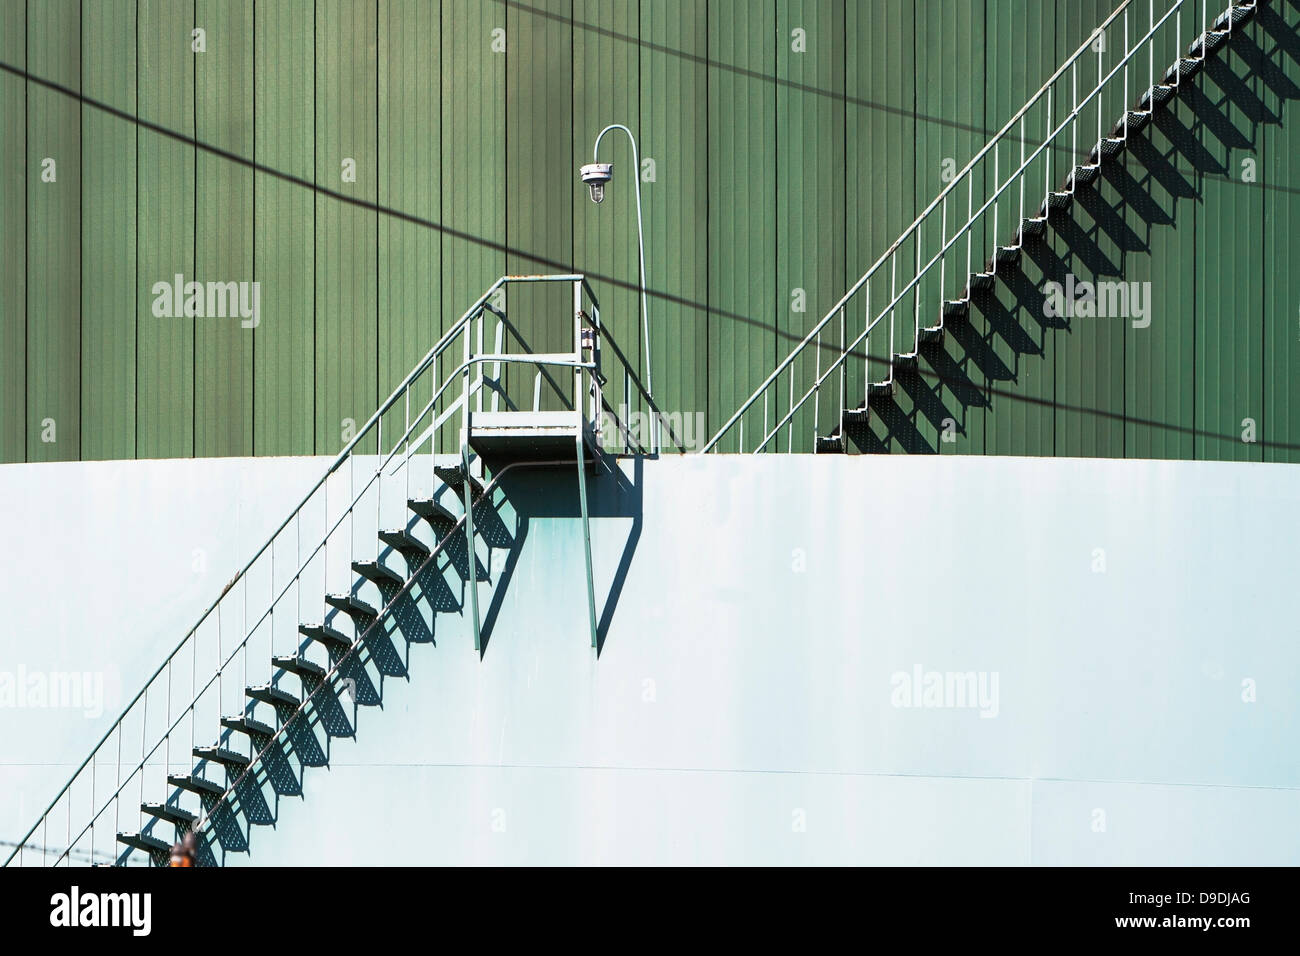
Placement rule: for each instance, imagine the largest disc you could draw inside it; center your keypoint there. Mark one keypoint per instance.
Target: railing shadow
(502, 520)
(1085, 241)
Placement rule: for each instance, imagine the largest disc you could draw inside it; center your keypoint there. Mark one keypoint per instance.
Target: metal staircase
(1089, 97)
(388, 534)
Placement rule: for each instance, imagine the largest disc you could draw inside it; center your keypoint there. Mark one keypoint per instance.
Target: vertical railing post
(789, 428)
(1151, 56)
(943, 256)
(1020, 239)
(843, 362)
(470, 550)
(1101, 54)
(578, 403)
(893, 304)
(997, 203)
(817, 392)
(1047, 155)
(916, 292)
(970, 229)
(866, 347)
(1126, 67)
(1074, 121)
(465, 389)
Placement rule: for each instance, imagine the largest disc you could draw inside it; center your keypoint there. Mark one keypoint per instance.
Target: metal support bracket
(586, 538)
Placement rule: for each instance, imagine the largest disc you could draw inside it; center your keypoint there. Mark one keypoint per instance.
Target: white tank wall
(745, 684)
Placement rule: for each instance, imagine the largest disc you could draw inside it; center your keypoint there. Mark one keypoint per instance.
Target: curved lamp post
(597, 175)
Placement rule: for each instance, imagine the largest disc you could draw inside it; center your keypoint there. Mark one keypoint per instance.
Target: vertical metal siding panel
(473, 151)
(16, 173)
(950, 121)
(473, 157)
(880, 184)
(223, 348)
(742, 178)
(674, 120)
(164, 230)
(1089, 357)
(1014, 342)
(284, 249)
(1230, 300)
(346, 235)
(606, 90)
(1280, 176)
(810, 196)
(54, 234)
(1160, 362)
(109, 295)
(1091, 376)
(410, 255)
(541, 177)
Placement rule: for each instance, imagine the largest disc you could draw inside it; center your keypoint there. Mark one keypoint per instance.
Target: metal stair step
(1034, 226)
(227, 758)
(1056, 202)
(1109, 147)
(251, 728)
(195, 784)
(905, 360)
(325, 634)
(1212, 40)
(401, 539)
(1185, 68)
(272, 695)
(439, 518)
(982, 281)
(294, 664)
(1085, 174)
(352, 606)
(1007, 255)
(378, 573)
(829, 445)
(1234, 15)
(454, 477)
(170, 813)
(857, 416)
(1133, 121)
(879, 390)
(1164, 92)
(931, 335)
(159, 850)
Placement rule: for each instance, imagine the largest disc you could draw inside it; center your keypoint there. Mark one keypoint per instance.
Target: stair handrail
(464, 326)
(938, 257)
(836, 309)
(443, 342)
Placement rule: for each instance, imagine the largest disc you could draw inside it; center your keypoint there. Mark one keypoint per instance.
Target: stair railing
(914, 269)
(205, 675)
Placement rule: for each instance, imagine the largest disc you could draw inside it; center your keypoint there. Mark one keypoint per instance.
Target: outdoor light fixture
(597, 176)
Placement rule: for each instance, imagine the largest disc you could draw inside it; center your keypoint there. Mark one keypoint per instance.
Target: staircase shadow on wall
(387, 650)
(953, 384)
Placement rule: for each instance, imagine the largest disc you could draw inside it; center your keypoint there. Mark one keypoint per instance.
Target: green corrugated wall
(784, 145)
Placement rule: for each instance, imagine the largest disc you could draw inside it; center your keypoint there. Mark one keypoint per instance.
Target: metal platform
(529, 436)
